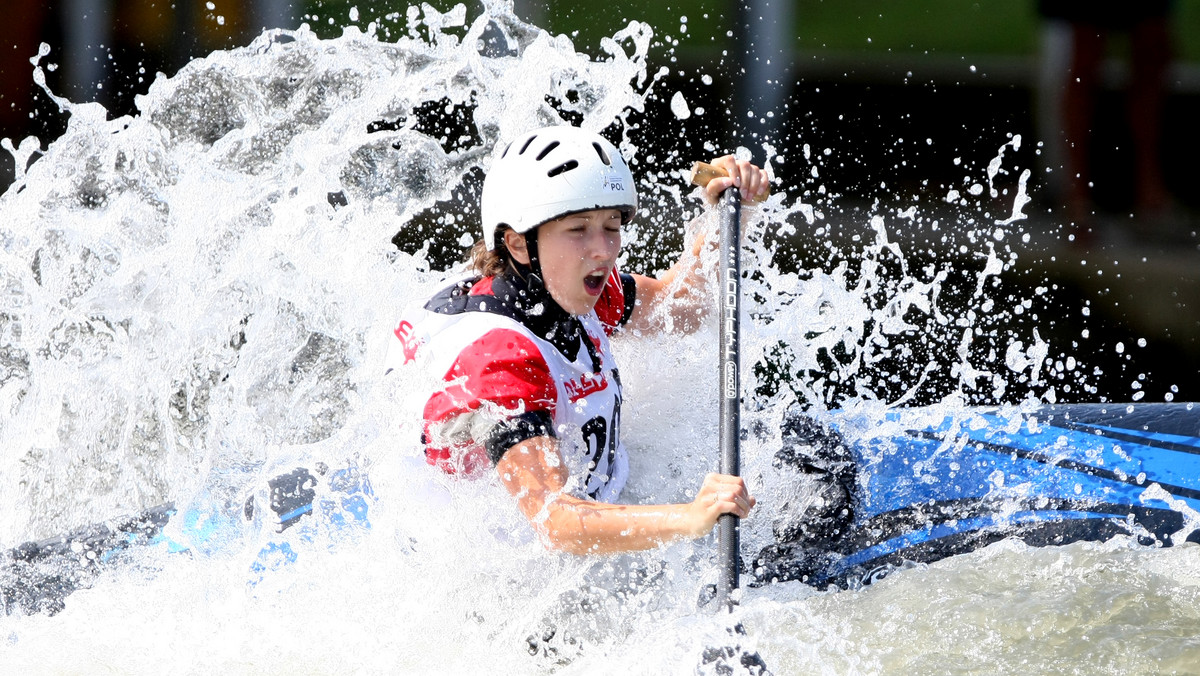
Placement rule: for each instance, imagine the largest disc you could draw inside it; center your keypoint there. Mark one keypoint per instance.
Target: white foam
(184, 312)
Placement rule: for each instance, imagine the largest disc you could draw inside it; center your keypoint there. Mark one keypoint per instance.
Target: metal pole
(87, 35)
(764, 27)
(268, 14)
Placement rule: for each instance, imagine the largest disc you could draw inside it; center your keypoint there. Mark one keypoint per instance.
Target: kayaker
(528, 385)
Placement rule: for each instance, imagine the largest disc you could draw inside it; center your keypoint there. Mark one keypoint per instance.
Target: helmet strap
(535, 263)
(535, 290)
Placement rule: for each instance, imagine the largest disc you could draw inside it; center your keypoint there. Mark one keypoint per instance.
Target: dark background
(910, 97)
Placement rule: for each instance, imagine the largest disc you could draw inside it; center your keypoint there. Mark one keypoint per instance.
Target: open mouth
(594, 283)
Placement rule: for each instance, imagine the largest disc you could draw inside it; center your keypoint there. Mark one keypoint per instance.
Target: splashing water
(199, 297)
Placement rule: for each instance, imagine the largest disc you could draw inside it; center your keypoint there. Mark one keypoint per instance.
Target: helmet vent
(526, 146)
(506, 149)
(562, 168)
(603, 155)
(546, 150)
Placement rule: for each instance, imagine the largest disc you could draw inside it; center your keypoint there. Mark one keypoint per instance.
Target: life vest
(510, 371)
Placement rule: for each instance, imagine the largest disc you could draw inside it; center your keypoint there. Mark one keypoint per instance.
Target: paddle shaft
(730, 383)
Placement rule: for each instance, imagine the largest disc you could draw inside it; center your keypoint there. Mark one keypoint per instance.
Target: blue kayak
(912, 486)
(928, 487)
(307, 504)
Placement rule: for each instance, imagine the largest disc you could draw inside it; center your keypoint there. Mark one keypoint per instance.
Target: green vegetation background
(945, 27)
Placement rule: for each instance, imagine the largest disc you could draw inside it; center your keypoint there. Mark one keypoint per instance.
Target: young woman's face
(577, 253)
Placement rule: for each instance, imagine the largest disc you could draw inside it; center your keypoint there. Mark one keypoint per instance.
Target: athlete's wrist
(694, 522)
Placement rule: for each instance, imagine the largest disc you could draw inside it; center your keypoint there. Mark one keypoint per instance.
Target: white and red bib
(505, 378)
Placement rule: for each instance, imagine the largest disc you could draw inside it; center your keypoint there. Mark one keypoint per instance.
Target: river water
(198, 298)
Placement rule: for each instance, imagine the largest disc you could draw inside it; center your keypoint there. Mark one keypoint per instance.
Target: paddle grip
(703, 172)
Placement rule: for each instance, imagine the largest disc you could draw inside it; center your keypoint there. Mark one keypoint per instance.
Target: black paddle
(730, 207)
(727, 658)
(730, 385)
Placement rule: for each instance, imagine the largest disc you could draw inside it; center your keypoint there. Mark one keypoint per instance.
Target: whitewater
(199, 297)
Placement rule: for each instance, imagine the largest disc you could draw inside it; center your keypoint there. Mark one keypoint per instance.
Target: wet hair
(491, 263)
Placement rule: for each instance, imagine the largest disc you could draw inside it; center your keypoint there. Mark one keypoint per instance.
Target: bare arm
(680, 289)
(534, 473)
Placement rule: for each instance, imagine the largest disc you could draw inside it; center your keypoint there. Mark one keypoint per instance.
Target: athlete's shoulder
(441, 325)
(502, 366)
(502, 340)
(456, 297)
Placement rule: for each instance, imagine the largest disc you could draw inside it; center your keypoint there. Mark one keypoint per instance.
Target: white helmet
(552, 172)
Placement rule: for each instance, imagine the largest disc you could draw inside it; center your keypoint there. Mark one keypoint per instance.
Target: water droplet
(679, 106)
